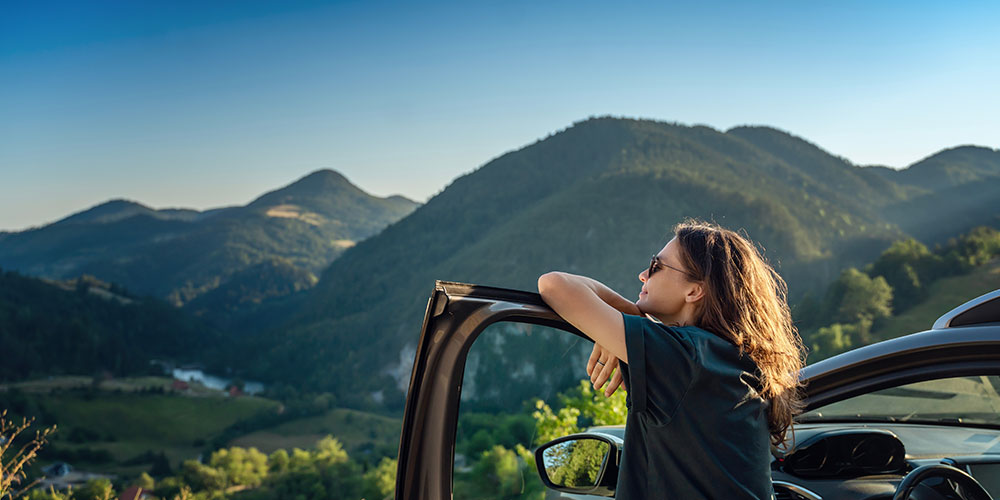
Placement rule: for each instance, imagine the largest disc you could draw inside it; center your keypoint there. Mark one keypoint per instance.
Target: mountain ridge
(179, 254)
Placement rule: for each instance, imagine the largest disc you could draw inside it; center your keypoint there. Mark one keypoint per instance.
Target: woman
(709, 358)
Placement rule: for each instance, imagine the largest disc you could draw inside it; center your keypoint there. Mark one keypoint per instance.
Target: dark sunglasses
(655, 265)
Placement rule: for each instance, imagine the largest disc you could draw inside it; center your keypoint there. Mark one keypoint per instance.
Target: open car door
(456, 314)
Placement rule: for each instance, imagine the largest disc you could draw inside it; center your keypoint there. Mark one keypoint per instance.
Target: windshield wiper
(844, 418)
(951, 421)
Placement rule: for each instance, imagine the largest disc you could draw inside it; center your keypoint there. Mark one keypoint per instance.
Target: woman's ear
(696, 291)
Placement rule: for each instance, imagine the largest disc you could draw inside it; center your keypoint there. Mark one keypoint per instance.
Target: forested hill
(949, 168)
(180, 254)
(86, 327)
(597, 198)
(959, 190)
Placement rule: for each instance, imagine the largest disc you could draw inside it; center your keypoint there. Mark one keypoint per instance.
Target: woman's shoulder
(655, 327)
(655, 337)
(714, 348)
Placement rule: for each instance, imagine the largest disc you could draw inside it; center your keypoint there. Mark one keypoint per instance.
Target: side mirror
(580, 463)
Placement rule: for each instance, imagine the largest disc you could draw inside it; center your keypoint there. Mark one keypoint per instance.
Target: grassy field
(361, 433)
(126, 422)
(177, 425)
(122, 417)
(945, 295)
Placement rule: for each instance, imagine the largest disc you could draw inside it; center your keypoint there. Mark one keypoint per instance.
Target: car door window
(509, 367)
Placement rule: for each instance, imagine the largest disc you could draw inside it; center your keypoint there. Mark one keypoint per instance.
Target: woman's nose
(642, 275)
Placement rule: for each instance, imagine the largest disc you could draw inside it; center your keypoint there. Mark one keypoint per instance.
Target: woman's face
(665, 293)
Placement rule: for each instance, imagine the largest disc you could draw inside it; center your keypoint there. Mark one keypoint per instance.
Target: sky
(208, 104)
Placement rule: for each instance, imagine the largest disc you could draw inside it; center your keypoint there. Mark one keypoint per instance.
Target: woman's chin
(643, 305)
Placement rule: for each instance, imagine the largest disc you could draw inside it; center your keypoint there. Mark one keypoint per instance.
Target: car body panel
(919, 356)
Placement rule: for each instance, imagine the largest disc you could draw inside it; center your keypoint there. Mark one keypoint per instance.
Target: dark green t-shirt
(696, 426)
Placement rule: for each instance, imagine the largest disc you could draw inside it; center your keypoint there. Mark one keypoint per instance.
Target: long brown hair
(745, 302)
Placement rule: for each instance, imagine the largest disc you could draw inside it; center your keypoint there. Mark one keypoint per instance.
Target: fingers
(595, 355)
(598, 360)
(616, 382)
(605, 372)
(599, 368)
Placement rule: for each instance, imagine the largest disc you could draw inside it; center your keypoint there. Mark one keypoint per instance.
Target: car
(915, 417)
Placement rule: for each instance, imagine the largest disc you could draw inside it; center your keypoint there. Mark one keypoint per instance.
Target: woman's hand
(600, 366)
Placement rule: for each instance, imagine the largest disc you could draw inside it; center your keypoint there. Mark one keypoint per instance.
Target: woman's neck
(684, 317)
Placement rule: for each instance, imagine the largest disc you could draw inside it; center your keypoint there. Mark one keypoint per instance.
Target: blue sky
(204, 104)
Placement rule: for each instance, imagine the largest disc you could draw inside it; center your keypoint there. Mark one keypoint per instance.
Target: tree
(497, 474)
(146, 482)
(329, 451)
(830, 340)
(551, 425)
(595, 407)
(277, 462)
(49, 494)
(160, 466)
(906, 266)
(380, 481)
(17, 454)
(95, 489)
(855, 296)
(807, 311)
(974, 248)
(864, 297)
(202, 477)
(240, 466)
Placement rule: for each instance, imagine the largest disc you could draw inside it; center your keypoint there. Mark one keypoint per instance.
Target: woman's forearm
(607, 295)
(613, 298)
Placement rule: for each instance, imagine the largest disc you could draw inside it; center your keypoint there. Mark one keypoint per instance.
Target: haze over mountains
(597, 198)
(287, 236)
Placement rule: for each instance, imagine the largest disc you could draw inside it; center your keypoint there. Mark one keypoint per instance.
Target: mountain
(85, 326)
(116, 210)
(956, 189)
(596, 198)
(180, 254)
(951, 168)
(937, 216)
(257, 297)
(843, 179)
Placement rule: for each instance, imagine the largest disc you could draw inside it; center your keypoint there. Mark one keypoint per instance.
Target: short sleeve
(662, 364)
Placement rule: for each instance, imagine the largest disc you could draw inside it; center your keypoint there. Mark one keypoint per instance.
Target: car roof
(978, 311)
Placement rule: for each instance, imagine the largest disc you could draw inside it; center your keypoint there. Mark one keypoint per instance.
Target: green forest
(87, 327)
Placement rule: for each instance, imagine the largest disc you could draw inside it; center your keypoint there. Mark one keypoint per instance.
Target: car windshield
(959, 400)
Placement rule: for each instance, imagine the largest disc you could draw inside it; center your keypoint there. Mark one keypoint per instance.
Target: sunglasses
(655, 265)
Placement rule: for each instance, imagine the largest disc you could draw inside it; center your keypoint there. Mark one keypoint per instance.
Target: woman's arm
(591, 307)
